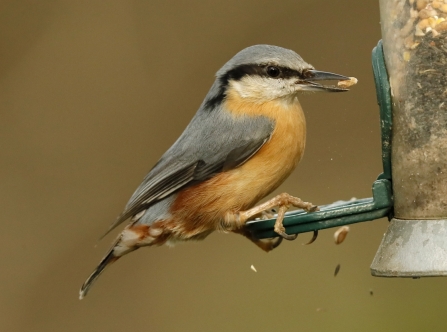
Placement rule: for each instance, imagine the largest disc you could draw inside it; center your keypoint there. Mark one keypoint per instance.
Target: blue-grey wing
(215, 141)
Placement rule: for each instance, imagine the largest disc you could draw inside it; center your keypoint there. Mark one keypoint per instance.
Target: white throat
(264, 89)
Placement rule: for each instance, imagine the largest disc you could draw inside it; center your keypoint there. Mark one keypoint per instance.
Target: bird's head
(264, 73)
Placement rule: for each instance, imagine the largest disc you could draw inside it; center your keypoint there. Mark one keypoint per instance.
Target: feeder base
(413, 249)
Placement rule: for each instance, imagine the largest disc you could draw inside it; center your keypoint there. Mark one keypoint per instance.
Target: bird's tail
(130, 239)
(108, 259)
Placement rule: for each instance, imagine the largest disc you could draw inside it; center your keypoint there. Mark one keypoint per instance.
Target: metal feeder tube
(415, 49)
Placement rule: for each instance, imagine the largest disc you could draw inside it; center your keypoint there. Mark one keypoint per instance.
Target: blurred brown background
(93, 92)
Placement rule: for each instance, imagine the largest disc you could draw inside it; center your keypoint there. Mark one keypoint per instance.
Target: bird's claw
(289, 237)
(281, 231)
(312, 240)
(276, 242)
(313, 208)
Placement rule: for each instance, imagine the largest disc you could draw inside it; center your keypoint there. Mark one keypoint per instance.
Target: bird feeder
(410, 72)
(415, 47)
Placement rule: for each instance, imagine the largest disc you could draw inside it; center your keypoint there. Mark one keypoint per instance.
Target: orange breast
(204, 205)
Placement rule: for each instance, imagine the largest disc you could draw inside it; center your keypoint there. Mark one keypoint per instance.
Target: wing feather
(153, 191)
(212, 143)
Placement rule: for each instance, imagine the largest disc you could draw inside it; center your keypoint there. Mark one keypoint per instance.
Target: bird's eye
(273, 71)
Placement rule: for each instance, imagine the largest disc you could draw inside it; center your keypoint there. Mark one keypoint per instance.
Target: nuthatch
(244, 141)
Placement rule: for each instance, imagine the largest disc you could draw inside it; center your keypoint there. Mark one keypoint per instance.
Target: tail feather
(108, 259)
(128, 241)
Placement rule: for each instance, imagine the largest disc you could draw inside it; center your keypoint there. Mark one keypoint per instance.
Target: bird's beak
(308, 83)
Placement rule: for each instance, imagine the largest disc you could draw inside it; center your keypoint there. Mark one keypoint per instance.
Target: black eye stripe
(259, 70)
(241, 71)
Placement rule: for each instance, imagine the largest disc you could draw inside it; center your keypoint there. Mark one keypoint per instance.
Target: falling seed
(253, 268)
(371, 292)
(337, 269)
(347, 83)
(340, 234)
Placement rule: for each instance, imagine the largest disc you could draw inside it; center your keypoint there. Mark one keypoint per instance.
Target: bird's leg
(283, 201)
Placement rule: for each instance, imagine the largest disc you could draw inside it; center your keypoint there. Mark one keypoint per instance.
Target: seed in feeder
(435, 33)
(407, 56)
(441, 26)
(436, 4)
(347, 83)
(423, 24)
(427, 12)
(409, 41)
(439, 20)
(444, 8)
(421, 4)
(424, 14)
(418, 32)
(340, 234)
(414, 13)
(432, 21)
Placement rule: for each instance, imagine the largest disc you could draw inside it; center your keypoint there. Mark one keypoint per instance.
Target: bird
(245, 139)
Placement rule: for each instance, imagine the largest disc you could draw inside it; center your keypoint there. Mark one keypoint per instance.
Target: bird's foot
(283, 201)
(279, 227)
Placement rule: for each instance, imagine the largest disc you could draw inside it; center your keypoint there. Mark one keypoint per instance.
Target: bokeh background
(93, 92)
